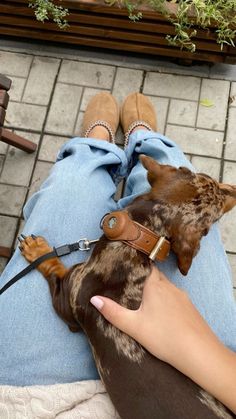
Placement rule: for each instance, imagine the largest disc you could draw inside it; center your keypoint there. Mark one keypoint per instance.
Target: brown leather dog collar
(119, 226)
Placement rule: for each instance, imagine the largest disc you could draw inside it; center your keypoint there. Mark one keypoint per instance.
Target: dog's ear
(153, 168)
(229, 192)
(185, 249)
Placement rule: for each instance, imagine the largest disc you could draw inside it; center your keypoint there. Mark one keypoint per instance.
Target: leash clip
(84, 244)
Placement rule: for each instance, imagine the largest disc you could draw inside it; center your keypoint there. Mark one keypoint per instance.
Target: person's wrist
(191, 350)
(210, 364)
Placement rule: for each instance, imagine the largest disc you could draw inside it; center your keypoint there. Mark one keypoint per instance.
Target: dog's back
(181, 206)
(140, 386)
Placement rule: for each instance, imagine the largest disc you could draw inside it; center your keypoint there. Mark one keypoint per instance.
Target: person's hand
(165, 321)
(169, 326)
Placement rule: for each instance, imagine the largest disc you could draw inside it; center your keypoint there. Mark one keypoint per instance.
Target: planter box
(92, 23)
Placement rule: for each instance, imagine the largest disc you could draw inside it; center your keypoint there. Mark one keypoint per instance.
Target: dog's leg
(33, 247)
(57, 275)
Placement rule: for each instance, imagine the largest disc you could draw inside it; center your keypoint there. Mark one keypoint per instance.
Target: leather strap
(116, 226)
(119, 226)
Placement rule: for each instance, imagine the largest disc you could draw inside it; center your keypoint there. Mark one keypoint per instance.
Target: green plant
(46, 9)
(190, 16)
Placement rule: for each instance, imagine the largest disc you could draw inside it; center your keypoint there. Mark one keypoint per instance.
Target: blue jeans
(36, 347)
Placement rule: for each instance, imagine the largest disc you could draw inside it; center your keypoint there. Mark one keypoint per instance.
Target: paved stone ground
(51, 88)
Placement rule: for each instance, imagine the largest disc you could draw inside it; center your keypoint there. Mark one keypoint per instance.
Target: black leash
(82, 244)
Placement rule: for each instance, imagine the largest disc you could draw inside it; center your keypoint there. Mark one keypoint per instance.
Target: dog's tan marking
(124, 344)
(76, 278)
(214, 405)
(133, 289)
(104, 264)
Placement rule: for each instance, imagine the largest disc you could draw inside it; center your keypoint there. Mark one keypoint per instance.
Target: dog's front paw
(33, 247)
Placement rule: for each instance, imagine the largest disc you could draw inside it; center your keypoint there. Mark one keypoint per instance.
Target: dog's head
(188, 204)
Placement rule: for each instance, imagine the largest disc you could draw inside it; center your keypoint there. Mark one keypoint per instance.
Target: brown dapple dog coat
(181, 206)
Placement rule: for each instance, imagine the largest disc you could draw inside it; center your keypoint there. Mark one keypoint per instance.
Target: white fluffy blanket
(80, 400)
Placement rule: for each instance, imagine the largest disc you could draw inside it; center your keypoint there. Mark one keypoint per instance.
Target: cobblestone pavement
(50, 93)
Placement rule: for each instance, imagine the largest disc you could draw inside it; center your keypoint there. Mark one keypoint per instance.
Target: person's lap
(36, 347)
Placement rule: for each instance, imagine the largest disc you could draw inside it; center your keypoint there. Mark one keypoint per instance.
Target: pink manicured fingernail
(97, 302)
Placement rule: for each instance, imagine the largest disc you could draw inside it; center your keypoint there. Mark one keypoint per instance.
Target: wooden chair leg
(4, 98)
(2, 115)
(17, 141)
(5, 252)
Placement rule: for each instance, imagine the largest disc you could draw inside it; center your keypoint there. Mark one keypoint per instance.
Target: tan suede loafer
(102, 110)
(137, 110)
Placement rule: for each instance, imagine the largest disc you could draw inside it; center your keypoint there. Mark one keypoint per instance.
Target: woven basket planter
(93, 23)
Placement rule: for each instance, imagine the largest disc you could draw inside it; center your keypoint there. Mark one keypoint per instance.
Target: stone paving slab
(230, 148)
(19, 230)
(228, 222)
(15, 64)
(50, 147)
(207, 165)
(43, 69)
(161, 106)
(17, 88)
(182, 112)
(168, 85)
(41, 172)
(2, 159)
(126, 81)
(229, 172)
(232, 260)
(19, 165)
(3, 263)
(222, 71)
(233, 94)
(7, 228)
(85, 74)
(126, 60)
(49, 95)
(11, 199)
(228, 230)
(25, 116)
(78, 125)
(213, 117)
(3, 148)
(64, 109)
(197, 141)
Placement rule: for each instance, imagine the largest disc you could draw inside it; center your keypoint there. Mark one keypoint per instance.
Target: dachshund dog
(181, 206)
